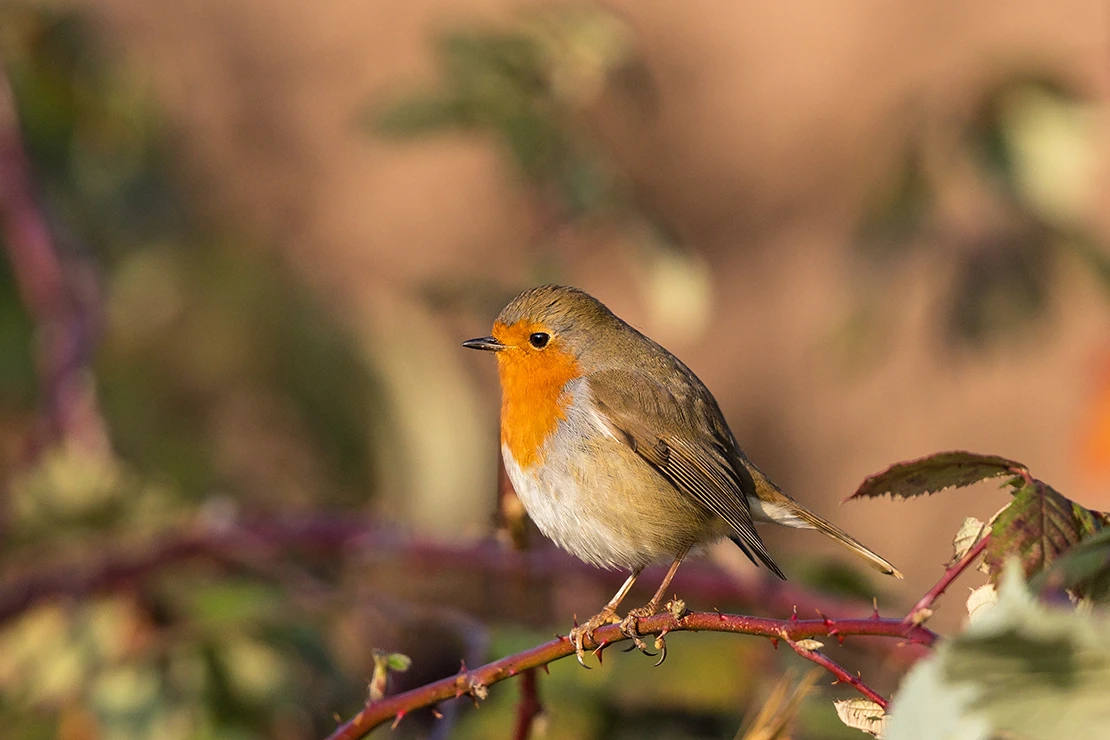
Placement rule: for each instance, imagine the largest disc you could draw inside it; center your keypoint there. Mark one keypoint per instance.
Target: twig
(60, 306)
(475, 683)
(842, 675)
(923, 609)
(528, 706)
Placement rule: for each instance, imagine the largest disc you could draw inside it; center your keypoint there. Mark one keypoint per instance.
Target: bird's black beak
(489, 344)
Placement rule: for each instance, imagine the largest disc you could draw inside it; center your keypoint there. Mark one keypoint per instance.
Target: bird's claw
(630, 629)
(585, 632)
(577, 635)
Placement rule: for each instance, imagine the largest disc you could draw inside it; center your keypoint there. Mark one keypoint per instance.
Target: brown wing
(639, 410)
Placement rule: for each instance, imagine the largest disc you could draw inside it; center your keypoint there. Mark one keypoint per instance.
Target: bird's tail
(775, 505)
(812, 521)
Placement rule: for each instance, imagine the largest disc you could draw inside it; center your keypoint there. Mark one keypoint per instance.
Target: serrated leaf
(971, 531)
(1037, 526)
(935, 473)
(1023, 668)
(863, 715)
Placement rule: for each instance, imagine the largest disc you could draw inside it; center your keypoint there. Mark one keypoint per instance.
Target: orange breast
(533, 401)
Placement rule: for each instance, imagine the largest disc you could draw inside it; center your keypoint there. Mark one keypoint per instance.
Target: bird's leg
(629, 623)
(585, 631)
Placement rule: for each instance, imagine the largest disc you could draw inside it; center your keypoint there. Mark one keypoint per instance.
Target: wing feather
(644, 415)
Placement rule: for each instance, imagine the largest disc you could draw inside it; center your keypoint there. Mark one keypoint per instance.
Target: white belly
(562, 510)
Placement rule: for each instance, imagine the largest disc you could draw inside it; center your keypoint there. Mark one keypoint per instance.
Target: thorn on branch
(598, 651)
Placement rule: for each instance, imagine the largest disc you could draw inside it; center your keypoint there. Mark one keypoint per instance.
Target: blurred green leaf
(419, 115)
(227, 604)
(1040, 141)
(1024, 668)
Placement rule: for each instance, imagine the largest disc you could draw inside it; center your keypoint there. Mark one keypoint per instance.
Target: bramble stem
(842, 675)
(922, 609)
(475, 682)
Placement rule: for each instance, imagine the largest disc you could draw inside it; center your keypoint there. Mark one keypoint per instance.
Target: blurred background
(241, 447)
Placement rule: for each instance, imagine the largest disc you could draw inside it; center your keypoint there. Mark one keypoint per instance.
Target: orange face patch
(532, 398)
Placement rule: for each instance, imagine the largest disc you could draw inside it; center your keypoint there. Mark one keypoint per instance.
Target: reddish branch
(923, 609)
(528, 706)
(475, 682)
(238, 545)
(842, 675)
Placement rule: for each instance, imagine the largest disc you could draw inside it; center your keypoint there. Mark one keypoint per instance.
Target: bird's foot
(630, 629)
(585, 632)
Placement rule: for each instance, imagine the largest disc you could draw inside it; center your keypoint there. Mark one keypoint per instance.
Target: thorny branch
(923, 609)
(830, 665)
(476, 682)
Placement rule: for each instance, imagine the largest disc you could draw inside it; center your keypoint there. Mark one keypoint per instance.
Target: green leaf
(398, 662)
(1023, 668)
(935, 473)
(1036, 527)
(537, 144)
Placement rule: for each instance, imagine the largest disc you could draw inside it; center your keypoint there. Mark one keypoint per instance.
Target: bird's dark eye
(539, 340)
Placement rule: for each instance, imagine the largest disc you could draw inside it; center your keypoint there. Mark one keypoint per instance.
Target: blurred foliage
(526, 84)
(251, 361)
(535, 86)
(1004, 198)
(224, 386)
(1021, 670)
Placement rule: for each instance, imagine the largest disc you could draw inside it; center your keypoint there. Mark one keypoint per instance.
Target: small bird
(620, 453)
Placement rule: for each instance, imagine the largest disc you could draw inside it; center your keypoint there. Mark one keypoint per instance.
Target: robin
(620, 453)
